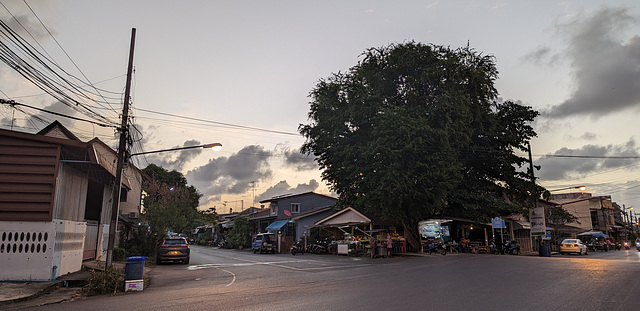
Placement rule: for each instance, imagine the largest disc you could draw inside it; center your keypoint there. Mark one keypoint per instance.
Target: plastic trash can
(134, 268)
(545, 251)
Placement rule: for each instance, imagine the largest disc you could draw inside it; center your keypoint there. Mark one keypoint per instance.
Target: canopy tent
(277, 225)
(595, 234)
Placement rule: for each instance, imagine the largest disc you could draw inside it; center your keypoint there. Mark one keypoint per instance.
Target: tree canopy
(171, 204)
(415, 130)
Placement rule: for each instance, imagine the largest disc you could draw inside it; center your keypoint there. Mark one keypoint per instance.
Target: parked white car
(573, 246)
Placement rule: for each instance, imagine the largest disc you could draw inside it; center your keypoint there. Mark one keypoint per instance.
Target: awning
(276, 225)
(521, 224)
(344, 217)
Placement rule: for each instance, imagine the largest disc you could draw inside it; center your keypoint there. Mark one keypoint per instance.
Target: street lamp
(214, 146)
(115, 201)
(581, 188)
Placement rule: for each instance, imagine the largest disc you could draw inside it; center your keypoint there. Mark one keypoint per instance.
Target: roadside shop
(458, 234)
(350, 232)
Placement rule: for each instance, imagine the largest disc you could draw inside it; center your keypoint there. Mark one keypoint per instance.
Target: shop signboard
(538, 226)
(497, 223)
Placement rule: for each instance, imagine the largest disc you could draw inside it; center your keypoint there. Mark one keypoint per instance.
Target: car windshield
(570, 241)
(175, 242)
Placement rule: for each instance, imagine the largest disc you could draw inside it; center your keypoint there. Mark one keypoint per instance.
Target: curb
(37, 292)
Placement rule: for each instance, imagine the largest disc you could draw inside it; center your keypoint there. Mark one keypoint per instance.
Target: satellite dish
(287, 212)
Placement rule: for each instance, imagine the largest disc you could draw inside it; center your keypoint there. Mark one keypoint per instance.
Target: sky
(240, 72)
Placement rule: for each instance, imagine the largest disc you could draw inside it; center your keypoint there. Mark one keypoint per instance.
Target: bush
(119, 254)
(141, 243)
(109, 281)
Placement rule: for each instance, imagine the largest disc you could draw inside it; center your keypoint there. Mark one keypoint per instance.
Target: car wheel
(586, 252)
(255, 250)
(186, 261)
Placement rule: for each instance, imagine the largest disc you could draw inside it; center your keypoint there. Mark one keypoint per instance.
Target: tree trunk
(411, 235)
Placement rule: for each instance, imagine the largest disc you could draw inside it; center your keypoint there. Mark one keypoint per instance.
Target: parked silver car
(173, 249)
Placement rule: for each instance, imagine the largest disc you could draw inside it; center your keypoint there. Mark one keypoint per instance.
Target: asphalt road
(240, 280)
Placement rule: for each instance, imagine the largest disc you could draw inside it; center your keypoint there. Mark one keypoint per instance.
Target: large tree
(417, 130)
(170, 203)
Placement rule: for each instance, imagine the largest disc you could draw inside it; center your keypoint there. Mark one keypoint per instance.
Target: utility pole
(534, 195)
(624, 221)
(122, 146)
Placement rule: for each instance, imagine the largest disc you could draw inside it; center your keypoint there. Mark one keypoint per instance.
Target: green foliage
(240, 234)
(171, 204)
(141, 243)
(171, 179)
(119, 254)
(417, 130)
(556, 217)
(108, 281)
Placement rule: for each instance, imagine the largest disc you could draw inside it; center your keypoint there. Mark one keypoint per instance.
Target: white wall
(34, 251)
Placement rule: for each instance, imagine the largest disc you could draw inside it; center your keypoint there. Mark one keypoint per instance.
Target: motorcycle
(434, 247)
(512, 247)
(626, 246)
(297, 248)
(495, 248)
(317, 248)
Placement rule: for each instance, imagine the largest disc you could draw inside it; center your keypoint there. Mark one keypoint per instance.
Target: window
(123, 194)
(295, 208)
(594, 219)
(274, 209)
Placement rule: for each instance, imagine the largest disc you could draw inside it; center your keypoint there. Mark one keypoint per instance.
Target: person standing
(372, 246)
(389, 245)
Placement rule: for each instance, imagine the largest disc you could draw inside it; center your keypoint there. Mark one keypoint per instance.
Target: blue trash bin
(545, 251)
(134, 268)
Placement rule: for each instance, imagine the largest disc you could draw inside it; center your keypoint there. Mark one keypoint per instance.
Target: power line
(65, 52)
(14, 103)
(221, 123)
(588, 156)
(40, 79)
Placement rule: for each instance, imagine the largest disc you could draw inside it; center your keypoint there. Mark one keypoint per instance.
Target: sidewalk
(65, 288)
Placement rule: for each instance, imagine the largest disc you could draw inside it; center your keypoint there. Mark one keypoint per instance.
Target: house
(55, 194)
(293, 214)
(592, 212)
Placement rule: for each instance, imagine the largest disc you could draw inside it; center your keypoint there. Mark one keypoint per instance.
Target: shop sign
(538, 226)
(497, 223)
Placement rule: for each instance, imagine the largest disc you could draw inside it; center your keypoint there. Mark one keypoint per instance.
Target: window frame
(296, 211)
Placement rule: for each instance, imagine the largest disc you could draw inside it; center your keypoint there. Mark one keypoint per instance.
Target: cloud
(299, 161)
(283, 187)
(176, 160)
(543, 55)
(232, 175)
(604, 65)
(432, 4)
(40, 119)
(26, 25)
(558, 168)
(588, 136)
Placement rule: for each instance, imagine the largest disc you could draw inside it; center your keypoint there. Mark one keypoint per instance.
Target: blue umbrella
(595, 234)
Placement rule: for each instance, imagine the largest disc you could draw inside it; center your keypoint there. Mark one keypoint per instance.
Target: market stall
(352, 232)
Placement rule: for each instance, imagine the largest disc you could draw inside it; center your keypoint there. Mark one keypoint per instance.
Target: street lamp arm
(582, 188)
(214, 146)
